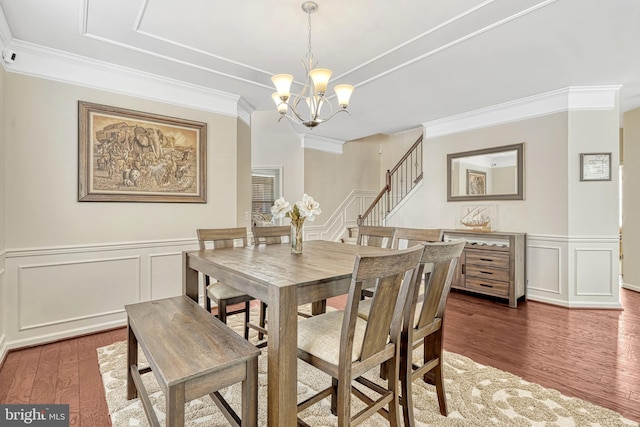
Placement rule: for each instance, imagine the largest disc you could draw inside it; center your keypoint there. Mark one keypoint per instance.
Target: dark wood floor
(590, 354)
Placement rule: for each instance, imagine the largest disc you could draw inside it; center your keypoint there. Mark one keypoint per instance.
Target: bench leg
(250, 394)
(175, 406)
(132, 359)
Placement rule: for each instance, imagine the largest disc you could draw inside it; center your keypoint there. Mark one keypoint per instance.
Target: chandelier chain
(309, 54)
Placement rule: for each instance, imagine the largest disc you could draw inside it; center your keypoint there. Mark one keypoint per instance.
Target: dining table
(284, 280)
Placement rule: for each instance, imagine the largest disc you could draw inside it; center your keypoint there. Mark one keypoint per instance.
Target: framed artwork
(131, 156)
(476, 182)
(595, 167)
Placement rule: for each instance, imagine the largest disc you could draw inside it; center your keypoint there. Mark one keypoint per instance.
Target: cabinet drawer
(486, 272)
(489, 287)
(491, 258)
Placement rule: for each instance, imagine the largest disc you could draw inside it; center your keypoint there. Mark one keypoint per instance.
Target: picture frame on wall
(133, 156)
(476, 182)
(595, 167)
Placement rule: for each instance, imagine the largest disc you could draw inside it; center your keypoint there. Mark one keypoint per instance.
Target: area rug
(477, 396)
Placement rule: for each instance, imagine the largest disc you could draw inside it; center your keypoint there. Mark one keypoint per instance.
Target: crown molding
(51, 64)
(244, 111)
(321, 143)
(567, 99)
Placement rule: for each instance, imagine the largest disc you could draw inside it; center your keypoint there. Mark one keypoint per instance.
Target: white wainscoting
(580, 272)
(55, 293)
(345, 216)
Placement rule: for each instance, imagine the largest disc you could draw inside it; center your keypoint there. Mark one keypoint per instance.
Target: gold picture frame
(132, 156)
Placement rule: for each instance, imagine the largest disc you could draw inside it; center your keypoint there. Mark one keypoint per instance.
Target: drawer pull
(486, 272)
(486, 285)
(486, 259)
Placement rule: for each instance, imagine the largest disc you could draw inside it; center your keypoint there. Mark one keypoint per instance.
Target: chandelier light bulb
(343, 92)
(320, 78)
(282, 106)
(283, 85)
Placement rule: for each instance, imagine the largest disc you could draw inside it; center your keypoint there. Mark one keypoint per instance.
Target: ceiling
(411, 61)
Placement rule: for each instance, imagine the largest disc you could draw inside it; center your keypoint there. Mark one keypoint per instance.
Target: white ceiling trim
(367, 80)
(566, 99)
(444, 46)
(5, 31)
(321, 143)
(416, 38)
(60, 66)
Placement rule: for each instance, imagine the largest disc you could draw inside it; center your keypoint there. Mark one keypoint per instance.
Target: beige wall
(393, 147)
(572, 245)
(275, 145)
(3, 224)
(42, 124)
(2, 170)
(542, 211)
(244, 175)
(593, 206)
(329, 178)
(631, 200)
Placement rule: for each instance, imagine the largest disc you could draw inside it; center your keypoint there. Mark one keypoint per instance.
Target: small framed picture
(595, 167)
(476, 182)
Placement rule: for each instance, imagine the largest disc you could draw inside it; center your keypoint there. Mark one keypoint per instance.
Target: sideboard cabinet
(492, 263)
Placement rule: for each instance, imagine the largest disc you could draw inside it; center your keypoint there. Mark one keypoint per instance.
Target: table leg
(189, 279)
(175, 406)
(132, 359)
(319, 307)
(282, 352)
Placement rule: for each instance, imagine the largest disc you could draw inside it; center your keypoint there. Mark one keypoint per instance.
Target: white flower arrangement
(301, 210)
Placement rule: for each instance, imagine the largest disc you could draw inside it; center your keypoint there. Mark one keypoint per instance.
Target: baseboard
(70, 333)
(631, 287)
(576, 304)
(4, 349)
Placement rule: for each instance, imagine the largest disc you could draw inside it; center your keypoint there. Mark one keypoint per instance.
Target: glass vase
(296, 238)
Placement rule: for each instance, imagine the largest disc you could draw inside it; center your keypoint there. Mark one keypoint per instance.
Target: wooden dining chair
(379, 236)
(423, 324)
(268, 235)
(407, 237)
(345, 346)
(222, 294)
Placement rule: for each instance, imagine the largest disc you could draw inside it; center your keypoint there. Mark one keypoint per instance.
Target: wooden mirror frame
(519, 195)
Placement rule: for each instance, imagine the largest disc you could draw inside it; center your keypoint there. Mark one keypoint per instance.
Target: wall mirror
(488, 174)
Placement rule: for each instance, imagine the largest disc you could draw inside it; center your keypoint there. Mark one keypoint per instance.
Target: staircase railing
(399, 181)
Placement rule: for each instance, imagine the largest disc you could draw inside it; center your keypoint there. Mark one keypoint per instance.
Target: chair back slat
(222, 237)
(389, 269)
(270, 235)
(407, 237)
(381, 237)
(444, 257)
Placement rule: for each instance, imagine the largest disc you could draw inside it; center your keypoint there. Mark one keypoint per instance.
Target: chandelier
(313, 92)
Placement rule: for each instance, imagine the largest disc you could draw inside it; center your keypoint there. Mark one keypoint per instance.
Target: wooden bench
(191, 353)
